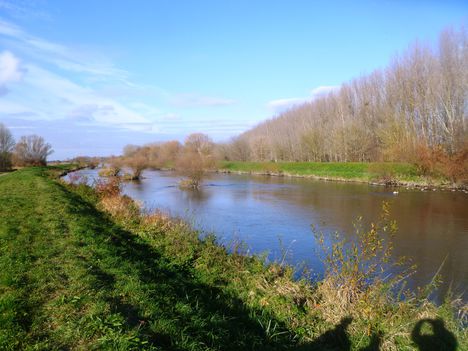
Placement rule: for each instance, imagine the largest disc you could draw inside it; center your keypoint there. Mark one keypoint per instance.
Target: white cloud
(323, 90)
(280, 105)
(60, 98)
(48, 94)
(10, 70)
(285, 103)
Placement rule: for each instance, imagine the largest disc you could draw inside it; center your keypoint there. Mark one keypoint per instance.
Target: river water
(275, 215)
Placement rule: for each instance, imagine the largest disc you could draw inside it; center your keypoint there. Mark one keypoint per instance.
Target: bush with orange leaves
(111, 200)
(437, 162)
(108, 187)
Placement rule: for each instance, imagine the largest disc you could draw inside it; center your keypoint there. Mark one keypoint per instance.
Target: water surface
(275, 215)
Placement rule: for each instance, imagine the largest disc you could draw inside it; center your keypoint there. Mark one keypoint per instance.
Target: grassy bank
(83, 269)
(394, 173)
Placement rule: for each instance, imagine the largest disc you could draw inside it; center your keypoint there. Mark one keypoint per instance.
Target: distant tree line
(418, 103)
(30, 150)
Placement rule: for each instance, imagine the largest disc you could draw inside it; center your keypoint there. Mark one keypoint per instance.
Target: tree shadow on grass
(178, 312)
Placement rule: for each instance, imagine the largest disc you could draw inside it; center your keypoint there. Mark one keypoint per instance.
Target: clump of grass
(356, 270)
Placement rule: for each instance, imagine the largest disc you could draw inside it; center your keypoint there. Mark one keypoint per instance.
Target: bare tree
(169, 152)
(130, 150)
(7, 143)
(196, 157)
(32, 150)
(199, 143)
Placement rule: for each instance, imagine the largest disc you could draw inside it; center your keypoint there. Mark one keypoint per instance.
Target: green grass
(73, 277)
(359, 171)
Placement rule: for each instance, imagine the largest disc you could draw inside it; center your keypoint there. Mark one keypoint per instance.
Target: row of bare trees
(420, 99)
(191, 159)
(31, 150)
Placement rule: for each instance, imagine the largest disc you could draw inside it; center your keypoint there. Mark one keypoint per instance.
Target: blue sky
(93, 76)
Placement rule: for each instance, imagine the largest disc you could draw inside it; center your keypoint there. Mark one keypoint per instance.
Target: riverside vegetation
(84, 268)
(427, 175)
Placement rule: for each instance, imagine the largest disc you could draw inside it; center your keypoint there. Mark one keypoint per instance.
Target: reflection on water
(433, 226)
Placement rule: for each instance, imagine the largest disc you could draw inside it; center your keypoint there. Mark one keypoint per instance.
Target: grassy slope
(71, 278)
(359, 171)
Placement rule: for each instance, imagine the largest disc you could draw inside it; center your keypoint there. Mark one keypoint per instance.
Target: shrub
(360, 273)
(194, 159)
(121, 207)
(109, 187)
(193, 166)
(437, 162)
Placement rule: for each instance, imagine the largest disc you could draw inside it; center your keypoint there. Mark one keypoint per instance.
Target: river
(276, 215)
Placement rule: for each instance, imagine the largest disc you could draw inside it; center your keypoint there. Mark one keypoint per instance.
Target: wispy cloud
(10, 70)
(61, 56)
(280, 105)
(50, 84)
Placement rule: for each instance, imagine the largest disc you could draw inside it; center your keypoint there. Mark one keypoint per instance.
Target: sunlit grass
(360, 171)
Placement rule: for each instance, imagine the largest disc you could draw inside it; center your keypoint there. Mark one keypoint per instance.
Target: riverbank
(83, 269)
(389, 174)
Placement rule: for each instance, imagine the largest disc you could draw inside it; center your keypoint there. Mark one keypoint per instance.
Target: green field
(73, 277)
(403, 174)
(331, 170)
